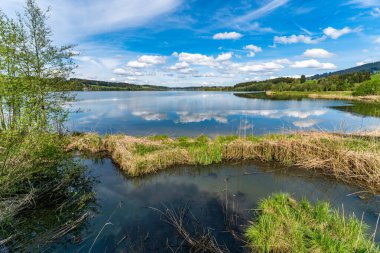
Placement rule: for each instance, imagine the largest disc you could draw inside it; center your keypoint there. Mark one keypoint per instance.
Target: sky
(212, 42)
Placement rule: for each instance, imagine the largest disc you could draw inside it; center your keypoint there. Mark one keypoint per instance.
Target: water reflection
(193, 113)
(124, 202)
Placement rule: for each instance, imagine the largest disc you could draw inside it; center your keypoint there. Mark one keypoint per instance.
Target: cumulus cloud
(260, 67)
(252, 50)
(312, 63)
(336, 33)
(204, 60)
(147, 61)
(317, 53)
(223, 57)
(152, 59)
(227, 36)
(179, 65)
(295, 39)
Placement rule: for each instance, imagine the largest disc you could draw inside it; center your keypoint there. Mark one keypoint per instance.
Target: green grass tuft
(285, 225)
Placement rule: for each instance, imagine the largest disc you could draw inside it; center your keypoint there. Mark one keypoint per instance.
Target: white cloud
(262, 11)
(336, 33)
(377, 41)
(152, 59)
(296, 39)
(261, 67)
(252, 50)
(364, 62)
(227, 36)
(137, 64)
(312, 63)
(73, 19)
(317, 53)
(223, 57)
(365, 3)
(203, 60)
(147, 61)
(180, 65)
(196, 59)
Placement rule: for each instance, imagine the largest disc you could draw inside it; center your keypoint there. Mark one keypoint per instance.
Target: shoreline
(354, 159)
(343, 95)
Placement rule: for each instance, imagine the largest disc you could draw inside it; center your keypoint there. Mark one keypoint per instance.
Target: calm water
(123, 220)
(123, 202)
(177, 113)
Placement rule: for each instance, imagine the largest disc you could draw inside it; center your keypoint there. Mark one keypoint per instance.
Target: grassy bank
(37, 176)
(285, 225)
(353, 159)
(332, 95)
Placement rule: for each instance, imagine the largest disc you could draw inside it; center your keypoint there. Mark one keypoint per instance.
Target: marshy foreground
(349, 158)
(205, 208)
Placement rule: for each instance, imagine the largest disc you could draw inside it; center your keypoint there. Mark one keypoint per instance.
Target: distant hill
(369, 67)
(83, 84)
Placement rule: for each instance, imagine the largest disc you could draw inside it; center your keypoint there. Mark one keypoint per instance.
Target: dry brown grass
(346, 157)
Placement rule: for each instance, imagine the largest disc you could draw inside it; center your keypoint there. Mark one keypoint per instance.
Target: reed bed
(349, 158)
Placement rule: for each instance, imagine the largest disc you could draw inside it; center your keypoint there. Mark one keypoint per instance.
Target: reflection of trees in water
(365, 109)
(55, 217)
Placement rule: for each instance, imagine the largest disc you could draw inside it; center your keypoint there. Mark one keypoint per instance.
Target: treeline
(331, 83)
(93, 85)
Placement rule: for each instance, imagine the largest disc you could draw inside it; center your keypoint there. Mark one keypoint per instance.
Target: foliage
(284, 225)
(32, 72)
(37, 175)
(330, 83)
(370, 87)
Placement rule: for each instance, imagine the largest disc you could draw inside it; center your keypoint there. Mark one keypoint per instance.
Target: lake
(178, 113)
(124, 218)
(133, 227)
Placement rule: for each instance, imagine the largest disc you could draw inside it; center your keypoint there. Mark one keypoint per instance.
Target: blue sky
(214, 42)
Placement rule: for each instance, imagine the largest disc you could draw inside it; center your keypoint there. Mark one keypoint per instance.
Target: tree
(303, 79)
(34, 70)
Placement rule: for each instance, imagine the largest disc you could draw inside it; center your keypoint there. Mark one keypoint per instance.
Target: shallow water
(178, 113)
(133, 227)
(123, 221)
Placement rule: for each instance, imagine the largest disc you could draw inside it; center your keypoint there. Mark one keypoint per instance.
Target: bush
(371, 87)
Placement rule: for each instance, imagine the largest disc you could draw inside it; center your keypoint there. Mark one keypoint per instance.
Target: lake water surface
(124, 221)
(178, 113)
(133, 227)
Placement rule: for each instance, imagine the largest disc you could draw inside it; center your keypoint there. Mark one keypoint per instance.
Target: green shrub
(371, 87)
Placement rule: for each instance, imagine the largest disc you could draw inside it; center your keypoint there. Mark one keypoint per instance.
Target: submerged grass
(284, 225)
(346, 157)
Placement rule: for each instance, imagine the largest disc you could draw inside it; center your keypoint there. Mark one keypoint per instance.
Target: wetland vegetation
(49, 198)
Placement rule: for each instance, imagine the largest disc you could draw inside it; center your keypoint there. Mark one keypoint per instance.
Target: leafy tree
(33, 71)
(303, 79)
